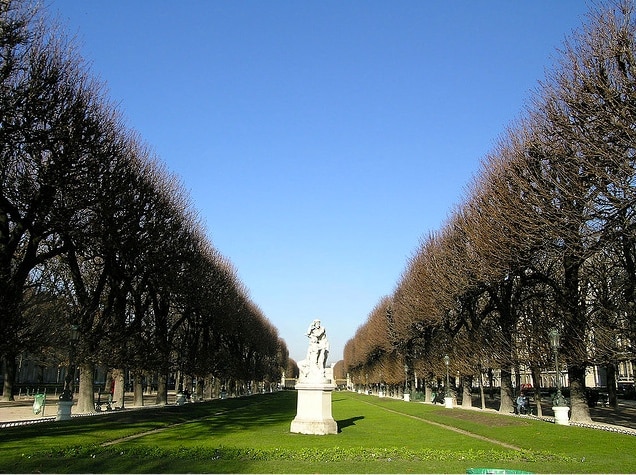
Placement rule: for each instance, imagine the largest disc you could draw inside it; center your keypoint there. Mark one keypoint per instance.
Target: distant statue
(313, 367)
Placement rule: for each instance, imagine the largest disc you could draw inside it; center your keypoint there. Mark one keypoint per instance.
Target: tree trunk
(578, 402)
(506, 405)
(536, 384)
(120, 390)
(216, 392)
(9, 377)
(187, 383)
(86, 396)
(138, 389)
(518, 378)
(199, 389)
(162, 389)
(467, 391)
(208, 385)
(574, 331)
(611, 385)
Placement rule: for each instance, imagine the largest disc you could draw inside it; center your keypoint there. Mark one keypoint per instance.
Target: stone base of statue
(313, 414)
(561, 415)
(64, 410)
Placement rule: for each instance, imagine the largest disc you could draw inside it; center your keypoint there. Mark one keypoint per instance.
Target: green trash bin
(39, 403)
(494, 470)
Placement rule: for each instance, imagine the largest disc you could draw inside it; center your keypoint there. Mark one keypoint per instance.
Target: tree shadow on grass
(229, 414)
(267, 411)
(348, 422)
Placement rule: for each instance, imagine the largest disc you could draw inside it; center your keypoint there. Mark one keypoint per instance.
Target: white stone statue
(313, 367)
(315, 385)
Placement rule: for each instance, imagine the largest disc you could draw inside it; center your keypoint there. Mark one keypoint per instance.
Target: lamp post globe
(555, 338)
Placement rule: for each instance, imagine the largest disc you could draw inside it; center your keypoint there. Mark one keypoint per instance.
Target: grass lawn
(251, 434)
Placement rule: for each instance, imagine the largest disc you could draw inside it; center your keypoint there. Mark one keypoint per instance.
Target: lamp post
(406, 376)
(65, 403)
(407, 395)
(555, 344)
(448, 400)
(67, 393)
(447, 362)
(560, 407)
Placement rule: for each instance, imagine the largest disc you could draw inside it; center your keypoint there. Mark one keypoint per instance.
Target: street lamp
(66, 398)
(406, 377)
(407, 394)
(555, 344)
(67, 393)
(447, 362)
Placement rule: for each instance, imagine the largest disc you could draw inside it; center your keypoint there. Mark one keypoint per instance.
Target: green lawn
(251, 434)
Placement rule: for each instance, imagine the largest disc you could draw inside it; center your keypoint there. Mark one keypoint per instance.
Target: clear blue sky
(320, 140)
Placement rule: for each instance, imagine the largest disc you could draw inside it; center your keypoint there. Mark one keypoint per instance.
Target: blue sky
(320, 141)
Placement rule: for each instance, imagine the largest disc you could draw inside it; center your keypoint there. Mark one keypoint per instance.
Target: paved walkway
(625, 416)
(622, 418)
(21, 410)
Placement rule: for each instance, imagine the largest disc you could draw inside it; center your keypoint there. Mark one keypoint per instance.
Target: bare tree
(51, 135)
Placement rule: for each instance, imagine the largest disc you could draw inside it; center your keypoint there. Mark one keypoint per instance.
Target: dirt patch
(491, 420)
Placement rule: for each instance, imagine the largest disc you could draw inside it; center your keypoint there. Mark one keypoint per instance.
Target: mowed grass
(251, 435)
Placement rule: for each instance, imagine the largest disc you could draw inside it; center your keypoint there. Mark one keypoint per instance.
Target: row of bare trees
(96, 235)
(544, 238)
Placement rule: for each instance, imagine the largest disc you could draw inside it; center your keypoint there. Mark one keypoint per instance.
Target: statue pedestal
(313, 415)
(64, 410)
(561, 415)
